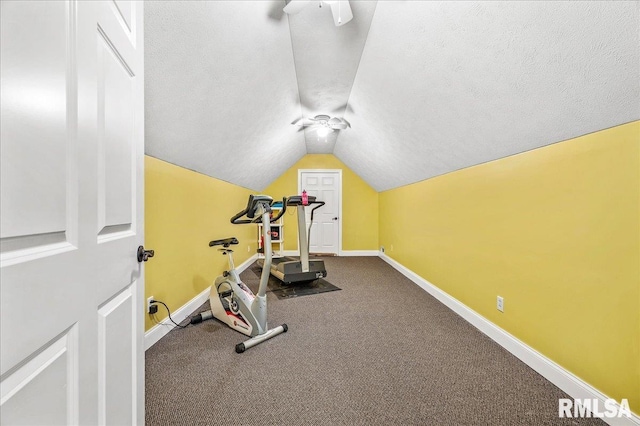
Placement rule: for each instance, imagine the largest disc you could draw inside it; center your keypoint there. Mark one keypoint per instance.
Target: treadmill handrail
(250, 210)
(284, 209)
(321, 203)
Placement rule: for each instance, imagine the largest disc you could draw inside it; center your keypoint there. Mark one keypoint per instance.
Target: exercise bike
(232, 302)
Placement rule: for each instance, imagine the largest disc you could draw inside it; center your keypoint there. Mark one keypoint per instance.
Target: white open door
(71, 289)
(325, 185)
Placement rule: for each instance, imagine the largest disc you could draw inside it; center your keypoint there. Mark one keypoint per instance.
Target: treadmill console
(254, 201)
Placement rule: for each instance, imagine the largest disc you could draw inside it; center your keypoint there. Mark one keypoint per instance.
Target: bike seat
(226, 242)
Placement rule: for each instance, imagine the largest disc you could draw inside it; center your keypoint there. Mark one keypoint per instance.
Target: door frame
(338, 173)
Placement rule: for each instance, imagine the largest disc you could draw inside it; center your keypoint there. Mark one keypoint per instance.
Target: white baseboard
(347, 253)
(158, 331)
(569, 383)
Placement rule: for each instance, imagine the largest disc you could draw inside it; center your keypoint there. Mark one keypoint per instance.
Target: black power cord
(151, 312)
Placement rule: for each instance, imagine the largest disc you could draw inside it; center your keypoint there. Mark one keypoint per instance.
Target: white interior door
(71, 293)
(325, 185)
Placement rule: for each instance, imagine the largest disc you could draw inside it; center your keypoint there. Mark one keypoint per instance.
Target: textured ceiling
(220, 89)
(431, 86)
(447, 85)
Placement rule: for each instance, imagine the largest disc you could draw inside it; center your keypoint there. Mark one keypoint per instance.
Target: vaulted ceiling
(429, 87)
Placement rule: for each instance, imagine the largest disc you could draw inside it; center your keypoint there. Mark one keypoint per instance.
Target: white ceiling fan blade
(303, 123)
(311, 127)
(339, 123)
(295, 6)
(341, 11)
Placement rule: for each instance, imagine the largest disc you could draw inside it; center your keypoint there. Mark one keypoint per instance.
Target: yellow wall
(556, 232)
(184, 210)
(359, 203)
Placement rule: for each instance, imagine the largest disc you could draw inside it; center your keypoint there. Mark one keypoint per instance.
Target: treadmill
(291, 270)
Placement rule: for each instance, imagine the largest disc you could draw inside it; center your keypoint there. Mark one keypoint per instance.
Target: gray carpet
(380, 352)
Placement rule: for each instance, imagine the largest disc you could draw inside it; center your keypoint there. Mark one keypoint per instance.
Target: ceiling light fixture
(324, 130)
(323, 124)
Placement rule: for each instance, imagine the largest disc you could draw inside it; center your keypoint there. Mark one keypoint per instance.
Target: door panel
(126, 11)
(52, 372)
(325, 242)
(116, 351)
(115, 139)
(71, 334)
(34, 130)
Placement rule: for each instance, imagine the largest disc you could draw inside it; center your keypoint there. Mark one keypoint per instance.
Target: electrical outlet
(382, 249)
(249, 249)
(500, 304)
(391, 247)
(149, 304)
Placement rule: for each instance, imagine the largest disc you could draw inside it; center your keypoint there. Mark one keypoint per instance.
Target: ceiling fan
(323, 123)
(340, 9)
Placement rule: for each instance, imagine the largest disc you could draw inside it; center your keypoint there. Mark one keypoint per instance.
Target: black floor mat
(286, 291)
